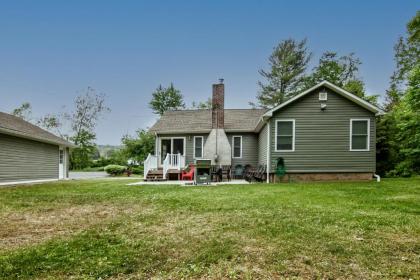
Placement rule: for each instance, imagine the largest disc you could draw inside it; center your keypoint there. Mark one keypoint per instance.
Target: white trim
(268, 151)
(160, 160)
(28, 182)
(202, 146)
(233, 146)
(275, 135)
(336, 89)
(368, 135)
(61, 165)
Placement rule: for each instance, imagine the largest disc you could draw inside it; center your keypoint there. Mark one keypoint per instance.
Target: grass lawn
(105, 229)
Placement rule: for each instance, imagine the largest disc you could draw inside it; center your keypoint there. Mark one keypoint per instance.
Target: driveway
(87, 175)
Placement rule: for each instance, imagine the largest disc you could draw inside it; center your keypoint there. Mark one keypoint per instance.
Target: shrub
(137, 170)
(115, 169)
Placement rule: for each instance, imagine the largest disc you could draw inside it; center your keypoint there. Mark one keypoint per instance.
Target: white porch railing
(173, 161)
(150, 163)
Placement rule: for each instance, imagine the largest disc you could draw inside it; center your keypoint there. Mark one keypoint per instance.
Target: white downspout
(268, 151)
(378, 178)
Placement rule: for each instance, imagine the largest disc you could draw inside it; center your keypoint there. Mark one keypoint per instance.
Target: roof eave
(25, 136)
(335, 88)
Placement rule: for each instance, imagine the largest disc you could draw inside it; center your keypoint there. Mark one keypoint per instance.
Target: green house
(324, 133)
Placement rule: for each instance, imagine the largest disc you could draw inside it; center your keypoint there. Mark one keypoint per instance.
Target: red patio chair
(188, 175)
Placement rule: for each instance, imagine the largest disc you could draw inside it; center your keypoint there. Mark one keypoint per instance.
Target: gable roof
(15, 126)
(199, 121)
(334, 88)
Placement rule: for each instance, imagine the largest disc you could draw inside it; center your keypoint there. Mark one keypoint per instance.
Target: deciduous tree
(165, 99)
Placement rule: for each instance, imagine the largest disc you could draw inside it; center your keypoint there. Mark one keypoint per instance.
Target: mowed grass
(106, 229)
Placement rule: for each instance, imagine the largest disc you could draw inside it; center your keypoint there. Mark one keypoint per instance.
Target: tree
(89, 107)
(137, 148)
(398, 142)
(341, 71)
(165, 99)
(288, 63)
(337, 70)
(53, 123)
(202, 104)
(24, 111)
(407, 52)
(407, 114)
(81, 156)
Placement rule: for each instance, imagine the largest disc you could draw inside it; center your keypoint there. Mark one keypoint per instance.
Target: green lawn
(105, 229)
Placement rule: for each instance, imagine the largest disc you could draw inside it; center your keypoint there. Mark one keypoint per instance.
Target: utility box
(202, 171)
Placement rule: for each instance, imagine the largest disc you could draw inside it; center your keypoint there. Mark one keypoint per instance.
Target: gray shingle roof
(15, 126)
(195, 121)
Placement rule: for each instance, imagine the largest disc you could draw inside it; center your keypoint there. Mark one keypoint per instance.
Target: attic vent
(323, 95)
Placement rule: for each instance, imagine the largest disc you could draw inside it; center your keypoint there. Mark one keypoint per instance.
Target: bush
(137, 170)
(115, 169)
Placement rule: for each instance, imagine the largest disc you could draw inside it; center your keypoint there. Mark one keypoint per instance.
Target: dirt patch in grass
(24, 228)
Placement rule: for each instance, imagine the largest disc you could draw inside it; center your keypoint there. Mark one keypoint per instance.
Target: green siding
(189, 146)
(22, 160)
(262, 146)
(249, 149)
(322, 141)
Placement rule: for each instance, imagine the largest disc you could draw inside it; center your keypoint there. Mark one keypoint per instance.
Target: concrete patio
(189, 183)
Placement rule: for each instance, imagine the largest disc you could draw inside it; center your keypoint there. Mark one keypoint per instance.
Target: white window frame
(172, 144)
(275, 135)
(233, 146)
(202, 146)
(367, 138)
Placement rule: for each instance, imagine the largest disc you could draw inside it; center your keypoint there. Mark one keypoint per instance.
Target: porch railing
(150, 163)
(173, 161)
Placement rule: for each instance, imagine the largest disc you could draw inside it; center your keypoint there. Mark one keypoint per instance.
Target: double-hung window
(237, 146)
(359, 134)
(285, 135)
(198, 146)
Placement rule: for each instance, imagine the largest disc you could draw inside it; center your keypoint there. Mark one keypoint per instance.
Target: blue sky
(52, 50)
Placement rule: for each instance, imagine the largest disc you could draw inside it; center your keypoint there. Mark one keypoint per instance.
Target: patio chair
(226, 171)
(188, 175)
(238, 172)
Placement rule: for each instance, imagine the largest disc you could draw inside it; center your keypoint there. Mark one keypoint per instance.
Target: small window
(198, 146)
(285, 135)
(61, 156)
(323, 95)
(359, 134)
(237, 146)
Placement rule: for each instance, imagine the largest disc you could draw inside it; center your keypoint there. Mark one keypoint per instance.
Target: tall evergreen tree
(288, 64)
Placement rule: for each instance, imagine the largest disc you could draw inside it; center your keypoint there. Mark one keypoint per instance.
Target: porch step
(155, 175)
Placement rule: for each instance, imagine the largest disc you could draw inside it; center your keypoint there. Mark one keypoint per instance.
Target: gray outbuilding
(29, 153)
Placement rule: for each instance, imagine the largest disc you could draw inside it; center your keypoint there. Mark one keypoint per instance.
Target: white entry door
(61, 164)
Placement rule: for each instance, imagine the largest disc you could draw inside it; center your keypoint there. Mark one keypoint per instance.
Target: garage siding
(23, 159)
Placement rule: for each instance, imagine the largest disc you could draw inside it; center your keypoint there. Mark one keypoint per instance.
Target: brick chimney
(218, 105)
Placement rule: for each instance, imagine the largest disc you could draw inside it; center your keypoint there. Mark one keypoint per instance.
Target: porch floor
(189, 183)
